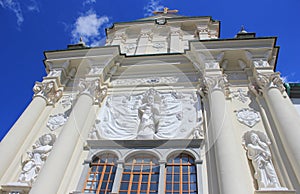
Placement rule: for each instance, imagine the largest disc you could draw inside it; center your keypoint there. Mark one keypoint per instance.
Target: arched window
(181, 175)
(140, 175)
(101, 174)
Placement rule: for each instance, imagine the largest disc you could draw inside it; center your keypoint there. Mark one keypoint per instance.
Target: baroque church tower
(166, 106)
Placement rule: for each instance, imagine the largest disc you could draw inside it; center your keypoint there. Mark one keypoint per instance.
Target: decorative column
(231, 170)
(162, 170)
(53, 171)
(118, 177)
(46, 93)
(284, 114)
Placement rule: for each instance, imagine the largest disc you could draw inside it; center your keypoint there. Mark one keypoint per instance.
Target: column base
(15, 188)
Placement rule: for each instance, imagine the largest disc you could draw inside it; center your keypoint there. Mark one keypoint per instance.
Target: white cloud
(87, 2)
(90, 27)
(33, 6)
(15, 7)
(153, 5)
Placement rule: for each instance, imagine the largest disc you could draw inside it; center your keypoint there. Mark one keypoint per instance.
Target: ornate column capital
(264, 82)
(94, 89)
(212, 83)
(47, 90)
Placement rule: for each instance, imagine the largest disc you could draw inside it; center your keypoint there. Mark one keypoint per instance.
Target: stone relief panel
(35, 158)
(149, 115)
(257, 146)
(248, 117)
(67, 100)
(145, 81)
(56, 121)
(240, 95)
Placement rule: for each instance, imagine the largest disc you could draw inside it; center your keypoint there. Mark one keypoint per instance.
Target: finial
(166, 11)
(81, 41)
(243, 29)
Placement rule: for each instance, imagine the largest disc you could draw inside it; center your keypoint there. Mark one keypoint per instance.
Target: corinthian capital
(268, 81)
(47, 90)
(93, 89)
(215, 82)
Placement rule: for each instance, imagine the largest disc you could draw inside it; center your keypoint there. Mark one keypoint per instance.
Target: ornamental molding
(145, 81)
(96, 70)
(240, 95)
(265, 82)
(47, 90)
(35, 159)
(211, 60)
(258, 59)
(130, 47)
(215, 82)
(93, 89)
(248, 116)
(56, 121)
(158, 45)
(256, 144)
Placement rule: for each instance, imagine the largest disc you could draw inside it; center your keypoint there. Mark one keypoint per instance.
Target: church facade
(166, 106)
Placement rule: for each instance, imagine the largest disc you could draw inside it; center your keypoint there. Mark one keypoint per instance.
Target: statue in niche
(36, 158)
(148, 114)
(256, 144)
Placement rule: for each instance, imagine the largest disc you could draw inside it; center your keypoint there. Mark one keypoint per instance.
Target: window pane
(181, 174)
(138, 172)
(100, 172)
(124, 186)
(134, 186)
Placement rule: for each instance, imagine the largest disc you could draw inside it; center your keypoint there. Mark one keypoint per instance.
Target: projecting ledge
(275, 192)
(176, 143)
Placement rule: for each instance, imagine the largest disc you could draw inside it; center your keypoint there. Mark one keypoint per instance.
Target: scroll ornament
(48, 91)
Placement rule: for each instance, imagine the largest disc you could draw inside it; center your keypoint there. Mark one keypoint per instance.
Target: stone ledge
(275, 192)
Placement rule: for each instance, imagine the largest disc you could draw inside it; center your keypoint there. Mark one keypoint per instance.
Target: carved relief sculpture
(240, 95)
(148, 115)
(36, 158)
(56, 121)
(248, 116)
(256, 145)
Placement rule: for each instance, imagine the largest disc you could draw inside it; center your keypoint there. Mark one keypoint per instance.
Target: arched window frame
(181, 174)
(140, 175)
(101, 174)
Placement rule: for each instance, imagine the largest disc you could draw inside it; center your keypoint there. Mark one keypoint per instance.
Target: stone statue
(36, 158)
(258, 152)
(148, 114)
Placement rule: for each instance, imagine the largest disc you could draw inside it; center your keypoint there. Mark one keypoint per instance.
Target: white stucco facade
(160, 87)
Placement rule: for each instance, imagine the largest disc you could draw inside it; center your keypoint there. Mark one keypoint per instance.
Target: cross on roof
(166, 11)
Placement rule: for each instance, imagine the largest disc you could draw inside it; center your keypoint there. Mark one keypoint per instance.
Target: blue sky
(30, 27)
